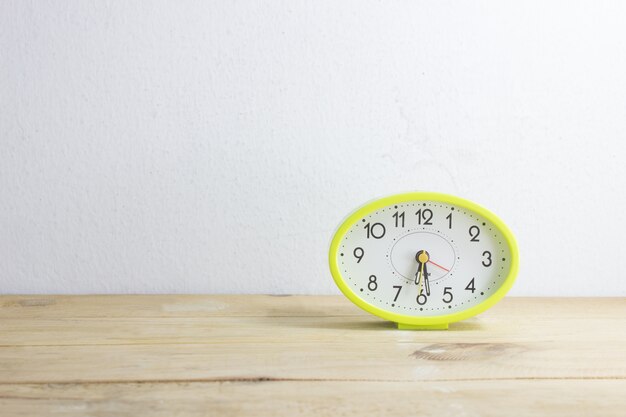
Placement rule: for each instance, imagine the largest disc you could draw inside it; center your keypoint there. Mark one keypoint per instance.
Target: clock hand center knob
(422, 256)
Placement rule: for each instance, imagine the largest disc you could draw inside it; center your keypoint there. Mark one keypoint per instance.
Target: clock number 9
(358, 254)
(474, 231)
(372, 285)
(487, 262)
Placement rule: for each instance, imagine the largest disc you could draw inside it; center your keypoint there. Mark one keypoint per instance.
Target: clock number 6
(421, 299)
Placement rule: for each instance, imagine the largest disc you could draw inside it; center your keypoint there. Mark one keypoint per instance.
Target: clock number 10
(376, 230)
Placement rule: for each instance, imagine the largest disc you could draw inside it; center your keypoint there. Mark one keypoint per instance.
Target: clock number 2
(474, 231)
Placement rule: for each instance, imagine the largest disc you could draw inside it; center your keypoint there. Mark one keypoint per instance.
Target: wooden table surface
(305, 355)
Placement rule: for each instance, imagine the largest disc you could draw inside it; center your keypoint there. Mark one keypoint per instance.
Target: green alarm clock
(423, 259)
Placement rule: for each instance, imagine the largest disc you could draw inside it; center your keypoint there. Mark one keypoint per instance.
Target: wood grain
(305, 355)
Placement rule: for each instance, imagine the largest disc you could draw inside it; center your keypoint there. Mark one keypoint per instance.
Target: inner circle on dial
(441, 255)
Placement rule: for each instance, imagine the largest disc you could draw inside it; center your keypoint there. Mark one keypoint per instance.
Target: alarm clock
(423, 260)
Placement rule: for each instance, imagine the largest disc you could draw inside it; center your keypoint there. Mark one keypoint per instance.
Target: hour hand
(426, 282)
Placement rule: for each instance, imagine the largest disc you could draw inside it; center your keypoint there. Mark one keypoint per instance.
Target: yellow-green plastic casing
(430, 322)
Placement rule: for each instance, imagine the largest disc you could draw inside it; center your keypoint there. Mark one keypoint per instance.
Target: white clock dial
(423, 258)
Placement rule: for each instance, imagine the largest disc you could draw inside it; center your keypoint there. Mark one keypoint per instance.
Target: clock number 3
(487, 262)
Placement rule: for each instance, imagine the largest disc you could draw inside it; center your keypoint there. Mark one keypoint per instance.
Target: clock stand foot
(403, 326)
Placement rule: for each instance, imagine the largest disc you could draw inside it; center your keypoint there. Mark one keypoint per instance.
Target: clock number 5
(446, 292)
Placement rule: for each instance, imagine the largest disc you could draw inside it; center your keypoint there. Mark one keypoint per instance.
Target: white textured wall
(213, 146)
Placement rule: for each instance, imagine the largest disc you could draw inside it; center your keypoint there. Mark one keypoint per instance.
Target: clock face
(423, 258)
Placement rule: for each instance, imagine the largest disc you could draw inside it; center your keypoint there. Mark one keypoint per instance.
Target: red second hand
(445, 269)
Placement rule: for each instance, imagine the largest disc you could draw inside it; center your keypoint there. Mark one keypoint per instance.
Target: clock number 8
(372, 285)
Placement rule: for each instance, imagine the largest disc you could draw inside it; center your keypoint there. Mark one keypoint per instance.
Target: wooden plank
(516, 339)
(395, 362)
(84, 306)
(234, 355)
(523, 398)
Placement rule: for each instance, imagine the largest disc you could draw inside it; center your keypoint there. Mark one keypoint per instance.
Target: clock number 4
(470, 286)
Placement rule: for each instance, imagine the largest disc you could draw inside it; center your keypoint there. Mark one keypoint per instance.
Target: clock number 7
(399, 288)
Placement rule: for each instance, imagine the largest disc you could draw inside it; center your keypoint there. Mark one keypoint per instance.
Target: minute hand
(438, 266)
